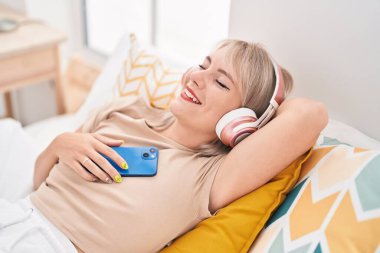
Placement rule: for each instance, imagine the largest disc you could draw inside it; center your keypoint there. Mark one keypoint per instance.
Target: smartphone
(142, 161)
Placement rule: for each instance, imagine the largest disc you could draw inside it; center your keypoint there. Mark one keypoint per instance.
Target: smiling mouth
(187, 95)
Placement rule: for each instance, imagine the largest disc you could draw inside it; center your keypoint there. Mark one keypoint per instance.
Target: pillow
(348, 134)
(235, 226)
(134, 69)
(335, 206)
(145, 74)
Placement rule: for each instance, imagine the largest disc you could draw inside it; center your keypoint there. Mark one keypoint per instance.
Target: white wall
(190, 29)
(38, 102)
(330, 47)
(18, 5)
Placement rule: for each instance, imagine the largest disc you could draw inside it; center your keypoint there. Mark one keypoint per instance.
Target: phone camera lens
(152, 150)
(145, 155)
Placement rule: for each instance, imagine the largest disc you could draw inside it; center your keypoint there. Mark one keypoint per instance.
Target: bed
(337, 140)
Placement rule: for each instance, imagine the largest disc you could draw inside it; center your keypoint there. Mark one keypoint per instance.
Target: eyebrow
(222, 71)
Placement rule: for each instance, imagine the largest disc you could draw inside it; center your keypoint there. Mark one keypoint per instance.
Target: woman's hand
(82, 152)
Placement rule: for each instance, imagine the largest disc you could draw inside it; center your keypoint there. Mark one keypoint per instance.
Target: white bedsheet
(44, 131)
(18, 152)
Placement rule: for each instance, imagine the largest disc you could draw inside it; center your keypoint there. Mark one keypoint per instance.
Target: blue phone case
(142, 161)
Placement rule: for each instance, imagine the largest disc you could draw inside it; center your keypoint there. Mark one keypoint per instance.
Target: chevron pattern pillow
(335, 206)
(145, 74)
(133, 70)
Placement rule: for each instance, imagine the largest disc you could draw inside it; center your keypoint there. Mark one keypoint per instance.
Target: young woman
(85, 205)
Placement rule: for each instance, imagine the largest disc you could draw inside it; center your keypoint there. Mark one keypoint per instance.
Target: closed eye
(219, 83)
(222, 85)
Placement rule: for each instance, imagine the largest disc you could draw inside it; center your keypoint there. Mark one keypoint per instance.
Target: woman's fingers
(106, 166)
(108, 141)
(112, 154)
(82, 172)
(95, 170)
(103, 146)
(83, 153)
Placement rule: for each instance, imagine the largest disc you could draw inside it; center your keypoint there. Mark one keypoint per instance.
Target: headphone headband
(277, 97)
(279, 90)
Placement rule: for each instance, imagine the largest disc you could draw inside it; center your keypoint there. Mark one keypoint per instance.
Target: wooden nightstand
(28, 56)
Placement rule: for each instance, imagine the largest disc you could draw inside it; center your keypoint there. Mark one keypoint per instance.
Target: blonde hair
(254, 70)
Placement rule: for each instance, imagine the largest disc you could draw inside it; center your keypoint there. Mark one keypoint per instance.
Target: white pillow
(104, 89)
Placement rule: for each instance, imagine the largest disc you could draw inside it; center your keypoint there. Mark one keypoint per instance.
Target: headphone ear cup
(236, 125)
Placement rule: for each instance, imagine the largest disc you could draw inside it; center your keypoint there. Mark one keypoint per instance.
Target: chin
(186, 117)
(177, 109)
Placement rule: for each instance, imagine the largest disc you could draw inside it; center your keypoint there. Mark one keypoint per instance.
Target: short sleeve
(212, 168)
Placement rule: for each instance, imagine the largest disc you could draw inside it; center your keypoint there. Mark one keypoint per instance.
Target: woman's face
(213, 85)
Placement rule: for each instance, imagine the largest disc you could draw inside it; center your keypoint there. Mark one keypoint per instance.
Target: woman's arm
(44, 163)
(262, 155)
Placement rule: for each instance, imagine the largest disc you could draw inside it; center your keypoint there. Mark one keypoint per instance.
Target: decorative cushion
(335, 206)
(145, 74)
(134, 69)
(234, 227)
(348, 134)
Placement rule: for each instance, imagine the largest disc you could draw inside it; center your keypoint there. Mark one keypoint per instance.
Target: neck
(187, 136)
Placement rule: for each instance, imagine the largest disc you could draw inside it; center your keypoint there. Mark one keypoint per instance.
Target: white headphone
(238, 124)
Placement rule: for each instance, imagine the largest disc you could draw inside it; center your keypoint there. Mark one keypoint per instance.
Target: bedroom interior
(325, 201)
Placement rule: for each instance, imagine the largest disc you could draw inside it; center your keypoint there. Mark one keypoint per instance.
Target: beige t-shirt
(141, 214)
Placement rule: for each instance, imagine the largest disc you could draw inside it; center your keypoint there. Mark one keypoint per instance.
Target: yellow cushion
(145, 73)
(234, 227)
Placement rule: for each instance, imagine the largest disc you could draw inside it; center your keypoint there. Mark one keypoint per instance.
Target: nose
(198, 77)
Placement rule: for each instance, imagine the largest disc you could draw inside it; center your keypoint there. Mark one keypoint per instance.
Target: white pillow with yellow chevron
(335, 206)
(144, 73)
(134, 69)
